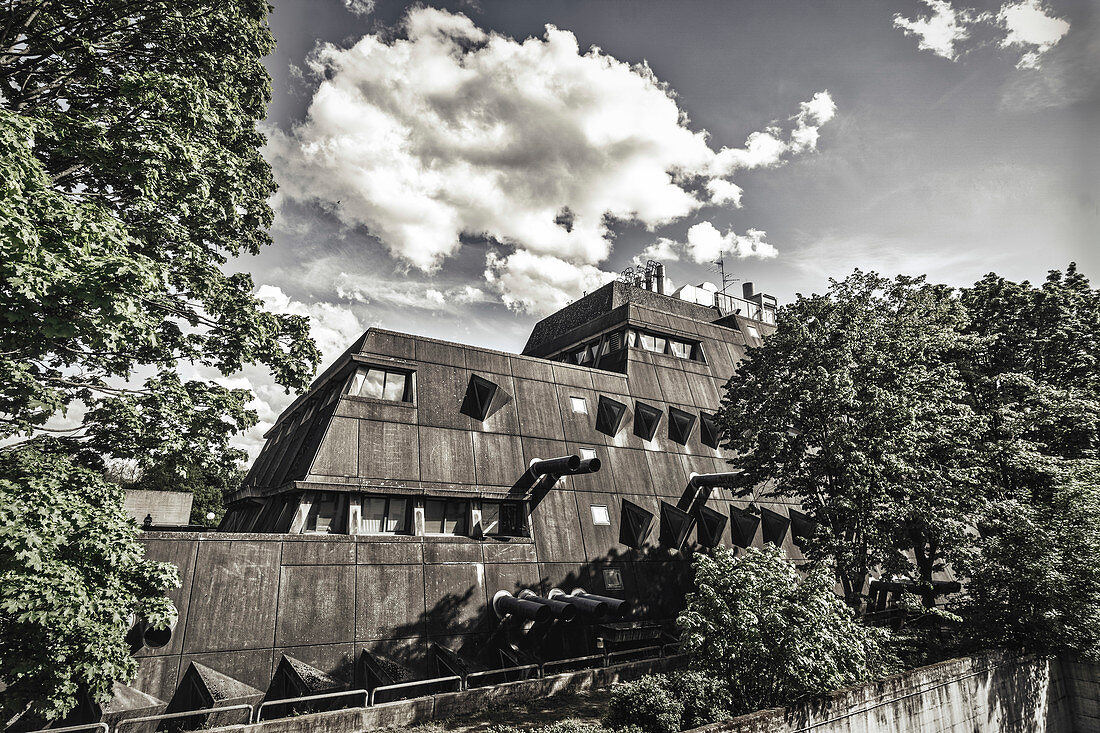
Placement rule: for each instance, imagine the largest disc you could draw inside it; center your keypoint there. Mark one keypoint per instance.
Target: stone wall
(171, 508)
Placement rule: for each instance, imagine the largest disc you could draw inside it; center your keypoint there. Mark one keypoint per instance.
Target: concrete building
(402, 494)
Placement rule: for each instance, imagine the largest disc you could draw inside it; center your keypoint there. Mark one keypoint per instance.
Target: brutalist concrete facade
(313, 564)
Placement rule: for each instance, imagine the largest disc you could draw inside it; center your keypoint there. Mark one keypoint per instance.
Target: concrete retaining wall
(1079, 684)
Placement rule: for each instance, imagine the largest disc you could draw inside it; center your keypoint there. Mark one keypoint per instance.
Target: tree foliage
(774, 637)
(71, 574)
(855, 407)
(130, 173)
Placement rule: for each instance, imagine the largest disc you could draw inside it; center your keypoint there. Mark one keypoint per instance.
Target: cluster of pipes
(558, 605)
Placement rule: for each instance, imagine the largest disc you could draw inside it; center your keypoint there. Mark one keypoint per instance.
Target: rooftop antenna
(727, 280)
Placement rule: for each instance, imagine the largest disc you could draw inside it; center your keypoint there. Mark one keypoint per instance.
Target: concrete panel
(389, 451)
(165, 507)
(386, 343)
(537, 405)
(389, 553)
(674, 386)
(530, 368)
(600, 540)
(556, 528)
(180, 553)
(483, 360)
(233, 596)
(580, 427)
(454, 598)
(631, 469)
(572, 376)
(364, 408)
(440, 391)
(704, 393)
(318, 552)
(610, 384)
(338, 453)
(643, 378)
(503, 417)
(446, 550)
(446, 455)
(512, 577)
(316, 605)
(157, 676)
(390, 601)
(670, 477)
(438, 352)
(537, 448)
(601, 480)
(498, 459)
(500, 551)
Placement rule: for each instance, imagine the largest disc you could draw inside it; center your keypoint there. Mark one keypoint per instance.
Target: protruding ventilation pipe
(712, 480)
(659, 274)
(562, 611)
(589, 606)
(616, 607)
(504, 603)
(564, 466)
(140, 633)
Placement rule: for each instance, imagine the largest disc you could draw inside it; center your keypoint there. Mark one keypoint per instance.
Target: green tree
(855, 408)
(71, 574)
(773, 636)
(130, 173)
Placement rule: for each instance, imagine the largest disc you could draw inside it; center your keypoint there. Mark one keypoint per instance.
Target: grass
(585, 706)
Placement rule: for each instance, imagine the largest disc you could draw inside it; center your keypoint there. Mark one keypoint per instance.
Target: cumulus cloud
(1025, 25)
(360, 7)
(940, 31)
(541, 283)
(705, 243)
(450, 131)
(1029, 27)
(405, 293)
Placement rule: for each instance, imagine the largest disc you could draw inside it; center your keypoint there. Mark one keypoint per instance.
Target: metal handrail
(67, 728)
(504, 670)
(310, 698)
(573, 660)
(416, 683)
(185, 714)
(639, 650)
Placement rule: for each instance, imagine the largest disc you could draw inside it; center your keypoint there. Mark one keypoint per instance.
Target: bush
(647, 703)
(772, 636)
(706, 699)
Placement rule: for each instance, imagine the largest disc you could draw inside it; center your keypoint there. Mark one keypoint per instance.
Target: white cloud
(663, 250)
(1025, 25)
(706, 244)
(404, 293)
(938, 32)
(541, 284)
(360, 7)
(452, 131)
(1029, 26)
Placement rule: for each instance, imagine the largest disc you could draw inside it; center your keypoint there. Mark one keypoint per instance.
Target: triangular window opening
(609, 415)
(675, 526)
(711, 525)
(680, 425)
(775, 526)
(646, 420)
(709, 433)
(634, 525)
(743, 526)
(479, 397)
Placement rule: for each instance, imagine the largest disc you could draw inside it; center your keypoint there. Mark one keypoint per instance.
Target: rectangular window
(612, 579)
(753, 332)
(445, 517)
(631, 338)
(380, 384)
(502, 518)
(383, 515)
(587, 454)
(580, 356)
(600, 515)
(322, 515)
(579, 405)
(681, 349)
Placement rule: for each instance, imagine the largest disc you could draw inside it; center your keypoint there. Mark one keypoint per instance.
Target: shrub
(705, 698)
(647, 703)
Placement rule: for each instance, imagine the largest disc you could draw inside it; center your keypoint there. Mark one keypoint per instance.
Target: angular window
(752, 331)
(743, 526)
(675, 526)
(646, 420)
(380, 384)
(384, 515)
(479, 397)
(635, 525)
(711, 525)
(445, 517)
(680, 425)
(600, 515)
(580, 356)
(322, 515)
(587, 454)
(609, 415)
(709, 434)
(631, 338)
(614, 342)
(579, 405)
(775, 526)
(503, 518)
(802, 527)
(651, 342)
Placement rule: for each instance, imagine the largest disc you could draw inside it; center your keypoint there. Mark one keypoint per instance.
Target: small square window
(587, 454)
(579, 405)
(612, 579)
(752, 331)
(600, 515)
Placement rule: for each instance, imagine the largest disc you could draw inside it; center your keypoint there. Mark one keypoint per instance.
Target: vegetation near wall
(130, 172)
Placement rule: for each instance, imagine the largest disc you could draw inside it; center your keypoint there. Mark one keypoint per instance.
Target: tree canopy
(130, 174)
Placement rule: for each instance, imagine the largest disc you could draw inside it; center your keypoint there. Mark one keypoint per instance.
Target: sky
(459, 170)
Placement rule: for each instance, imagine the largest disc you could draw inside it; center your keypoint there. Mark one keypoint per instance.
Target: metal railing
(481, 676)
(372, 699)
(309, 698)
(645, 652)
(744, 308)
(558, 666)
(85, 726)
(186, 714)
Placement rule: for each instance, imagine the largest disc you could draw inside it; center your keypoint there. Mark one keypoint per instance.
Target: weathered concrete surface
(990, 692)
(1080, 683)
(166, 507)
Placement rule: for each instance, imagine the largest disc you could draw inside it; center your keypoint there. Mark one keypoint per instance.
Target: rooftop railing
(745, 308)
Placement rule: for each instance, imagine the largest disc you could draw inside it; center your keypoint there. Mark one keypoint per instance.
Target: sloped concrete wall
(989, 692)
(1080, 687)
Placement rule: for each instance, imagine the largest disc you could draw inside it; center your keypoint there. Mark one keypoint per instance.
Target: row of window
(647, 418)
(590, 352)
(337, 513)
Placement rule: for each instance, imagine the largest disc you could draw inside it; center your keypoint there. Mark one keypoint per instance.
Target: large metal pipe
(659, 273)
(562, 611)
(616, 607)
(596, 609)
(504, 603)
(588, 465)
(141, 633)
(554, 466)
(712, 480)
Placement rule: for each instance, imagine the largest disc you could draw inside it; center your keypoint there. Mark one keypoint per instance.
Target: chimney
(659, 273)
(746, 289)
